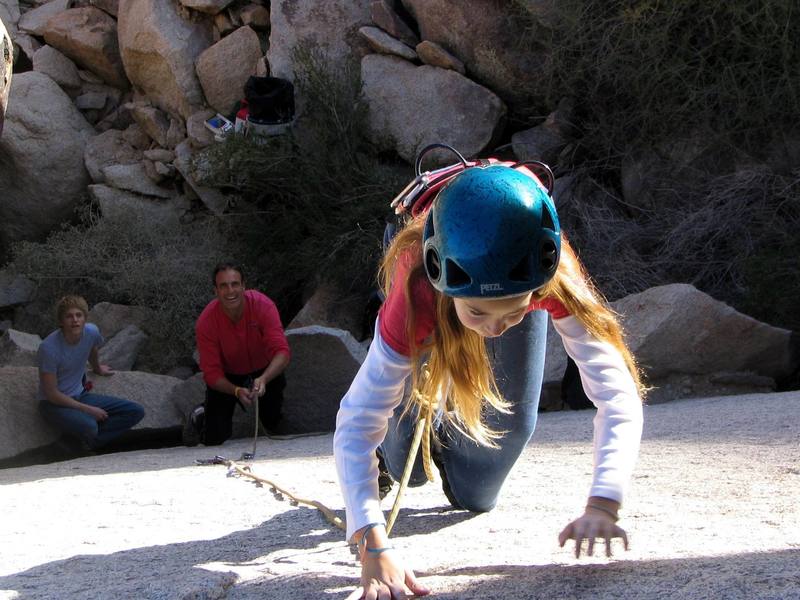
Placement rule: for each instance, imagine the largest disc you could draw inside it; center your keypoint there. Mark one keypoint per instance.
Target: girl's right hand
(383, 577)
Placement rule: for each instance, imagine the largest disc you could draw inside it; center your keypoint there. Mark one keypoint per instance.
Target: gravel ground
(713, 513)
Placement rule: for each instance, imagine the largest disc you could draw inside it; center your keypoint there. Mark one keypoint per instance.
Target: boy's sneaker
(193, 427)
(385, 481)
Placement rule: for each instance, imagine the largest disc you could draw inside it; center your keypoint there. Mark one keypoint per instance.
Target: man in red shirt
(243, 353)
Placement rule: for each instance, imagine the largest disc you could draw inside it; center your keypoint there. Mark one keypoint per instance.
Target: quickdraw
(418, 195)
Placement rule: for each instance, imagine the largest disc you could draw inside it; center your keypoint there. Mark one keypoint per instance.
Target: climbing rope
(235, 468)
(422, 437)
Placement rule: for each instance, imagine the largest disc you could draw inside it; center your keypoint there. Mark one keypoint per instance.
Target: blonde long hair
(456, 370)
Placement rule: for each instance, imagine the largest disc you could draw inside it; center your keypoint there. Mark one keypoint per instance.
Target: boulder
(18, 349)
(255, 16)
(433, 54)
(58, 67)
(410, 107)
(109, 6)
(688, 345)
(152, 391)
(333, 307)
(677, 328)
(332, 31)
(41, 150)
(163, 128)
(209, 7)
(487, 41)
(15, 289)
(9, 15)
(35, 20)
(324, 363)
(89, 37)
(546, 141)
(159, 49)
(6, 66)
(198, 134)
(385, 17)
(113, 318)
(119, 204)
(212, 198)
(25, 46)
(382, 42)
(108, 148)
(224, 68)
(133, 178)
(120, 352)
(22, 428)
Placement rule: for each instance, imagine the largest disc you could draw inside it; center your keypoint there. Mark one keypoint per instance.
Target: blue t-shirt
(67, 361)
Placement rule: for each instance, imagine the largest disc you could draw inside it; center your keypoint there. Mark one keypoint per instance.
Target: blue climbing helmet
(491, 232)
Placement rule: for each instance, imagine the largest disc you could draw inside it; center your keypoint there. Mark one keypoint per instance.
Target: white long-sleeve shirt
(377, 390)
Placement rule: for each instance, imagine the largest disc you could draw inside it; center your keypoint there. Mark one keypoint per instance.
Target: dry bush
(644, 71)
(736, 238)
(130, 261)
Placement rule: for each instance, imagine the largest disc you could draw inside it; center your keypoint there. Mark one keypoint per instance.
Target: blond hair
(70, 301)
(456, 369)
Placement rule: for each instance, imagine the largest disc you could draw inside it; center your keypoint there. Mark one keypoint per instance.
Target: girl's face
(490, 317)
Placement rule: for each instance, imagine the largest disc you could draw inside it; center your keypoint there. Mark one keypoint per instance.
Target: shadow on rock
(173, 570)
(766, 576)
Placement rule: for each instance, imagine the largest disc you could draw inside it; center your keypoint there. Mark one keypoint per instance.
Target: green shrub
(314, 201)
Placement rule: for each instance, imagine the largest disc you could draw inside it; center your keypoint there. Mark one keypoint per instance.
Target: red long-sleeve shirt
(242, 347)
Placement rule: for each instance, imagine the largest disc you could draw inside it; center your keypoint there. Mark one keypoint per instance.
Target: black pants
(219, 407)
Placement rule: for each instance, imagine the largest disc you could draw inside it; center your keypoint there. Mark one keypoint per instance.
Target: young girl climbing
(469, 282)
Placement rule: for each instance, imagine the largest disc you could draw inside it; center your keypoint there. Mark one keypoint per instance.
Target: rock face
(6, 64)
(41, 151)
(411, 107)
(159, 49)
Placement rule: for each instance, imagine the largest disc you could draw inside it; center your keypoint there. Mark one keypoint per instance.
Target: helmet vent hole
(547, 219)
(522, 272)
(548, 257)
(433, 265)
(456, 276)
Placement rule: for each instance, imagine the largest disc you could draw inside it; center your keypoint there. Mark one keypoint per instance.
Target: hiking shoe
(385, 481)
(193, 427)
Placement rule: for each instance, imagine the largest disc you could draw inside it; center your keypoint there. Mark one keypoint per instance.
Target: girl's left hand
(592, 525)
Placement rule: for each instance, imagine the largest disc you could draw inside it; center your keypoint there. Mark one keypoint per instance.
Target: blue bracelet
(378, 550)
(363, 540)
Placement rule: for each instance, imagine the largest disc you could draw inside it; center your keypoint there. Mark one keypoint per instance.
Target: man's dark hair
(226, 266)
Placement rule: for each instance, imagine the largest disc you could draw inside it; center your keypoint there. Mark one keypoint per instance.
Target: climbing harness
(419, 194)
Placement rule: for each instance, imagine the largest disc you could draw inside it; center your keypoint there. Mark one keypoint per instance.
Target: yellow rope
(245, 471)
(422, 434)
